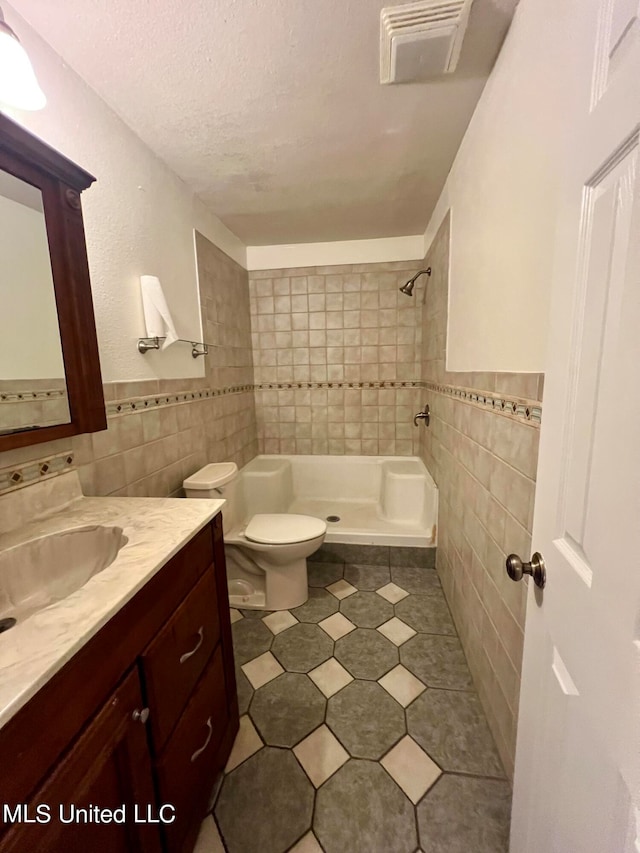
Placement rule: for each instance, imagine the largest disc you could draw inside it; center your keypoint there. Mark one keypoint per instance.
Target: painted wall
(139, 218)
(382, 250)
(502, 190)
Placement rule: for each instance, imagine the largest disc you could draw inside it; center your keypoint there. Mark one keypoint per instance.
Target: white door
(577, 778)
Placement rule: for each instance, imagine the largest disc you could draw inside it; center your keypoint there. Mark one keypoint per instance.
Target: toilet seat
(283, 528)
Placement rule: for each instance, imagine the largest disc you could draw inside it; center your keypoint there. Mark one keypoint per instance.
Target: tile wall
(160, 431)
(336, 352)
(483, 456)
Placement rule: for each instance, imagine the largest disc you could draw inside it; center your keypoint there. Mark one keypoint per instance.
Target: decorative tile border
(518, 407)
(157, 401)
(279, 386)
(525, 410)
(18, 476)
(30, 396)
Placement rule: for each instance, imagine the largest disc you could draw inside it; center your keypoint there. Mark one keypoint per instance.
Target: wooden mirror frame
(61, 182)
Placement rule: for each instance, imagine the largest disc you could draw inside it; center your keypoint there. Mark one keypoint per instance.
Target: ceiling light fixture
(18, 84)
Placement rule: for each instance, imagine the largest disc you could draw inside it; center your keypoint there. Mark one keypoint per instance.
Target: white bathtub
(379, 500)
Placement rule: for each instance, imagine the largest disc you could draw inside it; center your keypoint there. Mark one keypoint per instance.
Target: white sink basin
(42, 571)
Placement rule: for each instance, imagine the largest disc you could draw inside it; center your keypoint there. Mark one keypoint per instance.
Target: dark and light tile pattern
(369, 742)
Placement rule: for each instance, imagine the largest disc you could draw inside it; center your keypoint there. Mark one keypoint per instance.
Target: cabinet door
(109, 768)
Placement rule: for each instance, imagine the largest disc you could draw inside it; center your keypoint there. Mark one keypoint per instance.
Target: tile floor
(360, 730)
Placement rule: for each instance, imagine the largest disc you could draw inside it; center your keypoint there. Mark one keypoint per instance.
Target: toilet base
(287, 586)
(247, 600)
(256, 585)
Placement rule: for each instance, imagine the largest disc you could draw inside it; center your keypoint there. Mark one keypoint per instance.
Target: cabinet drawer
(173, 662)
(189, 764)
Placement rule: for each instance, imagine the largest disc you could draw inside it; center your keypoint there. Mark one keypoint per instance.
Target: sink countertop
(157, 528)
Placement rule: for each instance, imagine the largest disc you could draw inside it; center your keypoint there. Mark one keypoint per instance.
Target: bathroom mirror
(50, 383)
(33, 390)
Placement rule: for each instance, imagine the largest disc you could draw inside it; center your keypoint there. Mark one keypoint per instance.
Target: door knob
(536, 568)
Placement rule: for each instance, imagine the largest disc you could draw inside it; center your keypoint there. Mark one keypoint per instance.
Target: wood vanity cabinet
(85, 739)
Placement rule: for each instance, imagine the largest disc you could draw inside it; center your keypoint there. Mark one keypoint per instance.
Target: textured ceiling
(272, 110)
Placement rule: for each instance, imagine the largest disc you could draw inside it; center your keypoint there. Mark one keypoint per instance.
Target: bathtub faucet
(424, 415)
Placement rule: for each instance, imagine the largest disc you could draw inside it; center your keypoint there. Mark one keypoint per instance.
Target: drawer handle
(140, 716)
(206, 743)
(187, 655)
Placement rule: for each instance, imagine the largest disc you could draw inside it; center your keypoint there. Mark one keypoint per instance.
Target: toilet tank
(215, 481)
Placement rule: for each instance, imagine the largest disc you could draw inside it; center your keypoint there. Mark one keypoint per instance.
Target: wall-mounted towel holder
(197, 347)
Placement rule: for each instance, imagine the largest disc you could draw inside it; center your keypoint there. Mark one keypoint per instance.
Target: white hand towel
(157, 317)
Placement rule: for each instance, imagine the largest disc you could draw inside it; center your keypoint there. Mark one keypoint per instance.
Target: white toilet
(267, 553)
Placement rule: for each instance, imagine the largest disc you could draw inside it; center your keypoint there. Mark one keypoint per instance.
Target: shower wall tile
(226, 324)
(346, 326)
(484, 462)
(226, 320)
(160, 431)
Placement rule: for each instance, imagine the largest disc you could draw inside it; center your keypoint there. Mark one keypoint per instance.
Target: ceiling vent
(421, 40)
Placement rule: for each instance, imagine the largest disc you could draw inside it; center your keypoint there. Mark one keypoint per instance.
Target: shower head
(407, 288)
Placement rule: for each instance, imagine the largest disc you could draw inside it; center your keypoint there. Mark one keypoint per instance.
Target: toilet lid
(212, 476)
(284, 528)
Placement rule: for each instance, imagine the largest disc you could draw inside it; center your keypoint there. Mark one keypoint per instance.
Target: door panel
(577, 779)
